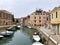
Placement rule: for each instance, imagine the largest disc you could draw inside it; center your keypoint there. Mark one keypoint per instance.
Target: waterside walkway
(51, 38)
(6, 26)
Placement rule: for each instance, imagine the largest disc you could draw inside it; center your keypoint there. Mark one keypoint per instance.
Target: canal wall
(5, 26)
(51, 42)
(47, 36)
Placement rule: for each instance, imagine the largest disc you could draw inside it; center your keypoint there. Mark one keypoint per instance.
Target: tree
(17, 21)
(13, 19)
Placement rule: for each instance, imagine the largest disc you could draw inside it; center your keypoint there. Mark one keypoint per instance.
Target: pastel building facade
(55, 20)
(39, 18)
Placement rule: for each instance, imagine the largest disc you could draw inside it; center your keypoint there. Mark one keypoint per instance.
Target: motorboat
(37, 43)
(9, 32)
(18, 26)
(29, 26)
(6, 33)
(11, 29)
(36, 36)
(1, 36)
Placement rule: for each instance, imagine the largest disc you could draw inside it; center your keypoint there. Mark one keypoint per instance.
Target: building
(55, 20)
(20, 20)
(39, 18)
(17, 20)
(26, 20)
(6, 18)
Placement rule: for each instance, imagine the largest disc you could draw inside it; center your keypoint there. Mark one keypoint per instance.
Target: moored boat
(37, 43)
(9, 32)
(11, 29)
(29, 26)
(6, 33)
(18, 26)
(1, 36)
(36, 36)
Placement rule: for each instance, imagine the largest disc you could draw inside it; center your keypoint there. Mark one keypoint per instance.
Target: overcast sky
(21, 8)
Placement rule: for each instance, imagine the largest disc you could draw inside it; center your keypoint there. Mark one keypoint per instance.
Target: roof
(55, 8)
(5, 11)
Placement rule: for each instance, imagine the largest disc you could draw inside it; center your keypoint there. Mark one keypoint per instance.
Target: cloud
(23, 7)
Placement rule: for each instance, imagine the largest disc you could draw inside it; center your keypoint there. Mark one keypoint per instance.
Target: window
(41, 13)
(54, 28)
(39, 17)
(44, 17)
(40, 25)
(6, 16)
(34, 24)
(52, 16)
(39, 20)
(3, 15)
(34, 17)
(35, 21)
(56, 15)
(47, 19)
(0, 15)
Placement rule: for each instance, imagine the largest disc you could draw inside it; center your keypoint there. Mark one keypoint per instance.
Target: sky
(22, 8)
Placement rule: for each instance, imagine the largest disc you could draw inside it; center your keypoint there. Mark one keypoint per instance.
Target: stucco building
(55, 20)
(39, 18)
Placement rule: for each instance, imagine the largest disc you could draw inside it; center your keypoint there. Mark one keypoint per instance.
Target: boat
(9, 32)
(11, 29)
(37, 43)
(1, 36)
(29, 26)
(18, 26)
(6, 33)
(36, 36)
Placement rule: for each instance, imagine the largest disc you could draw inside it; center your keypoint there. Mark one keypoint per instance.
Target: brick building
(6, 18)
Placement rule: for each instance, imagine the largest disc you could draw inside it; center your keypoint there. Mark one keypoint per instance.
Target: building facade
(39, 18)
(21, 20)
(55, 20)
(6, 18)
(26, 20)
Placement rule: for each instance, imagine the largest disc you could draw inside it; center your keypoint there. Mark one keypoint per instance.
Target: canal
(20, 37)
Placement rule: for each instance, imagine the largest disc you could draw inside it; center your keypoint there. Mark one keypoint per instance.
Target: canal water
(20, 37)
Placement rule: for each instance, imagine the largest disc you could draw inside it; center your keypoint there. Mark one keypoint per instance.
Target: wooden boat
(37, 43)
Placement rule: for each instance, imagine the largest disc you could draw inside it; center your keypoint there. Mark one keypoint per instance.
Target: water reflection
(20, 37)
(6, 40)
(29, 32)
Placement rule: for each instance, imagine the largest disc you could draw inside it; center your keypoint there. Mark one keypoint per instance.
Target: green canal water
(20, 37)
